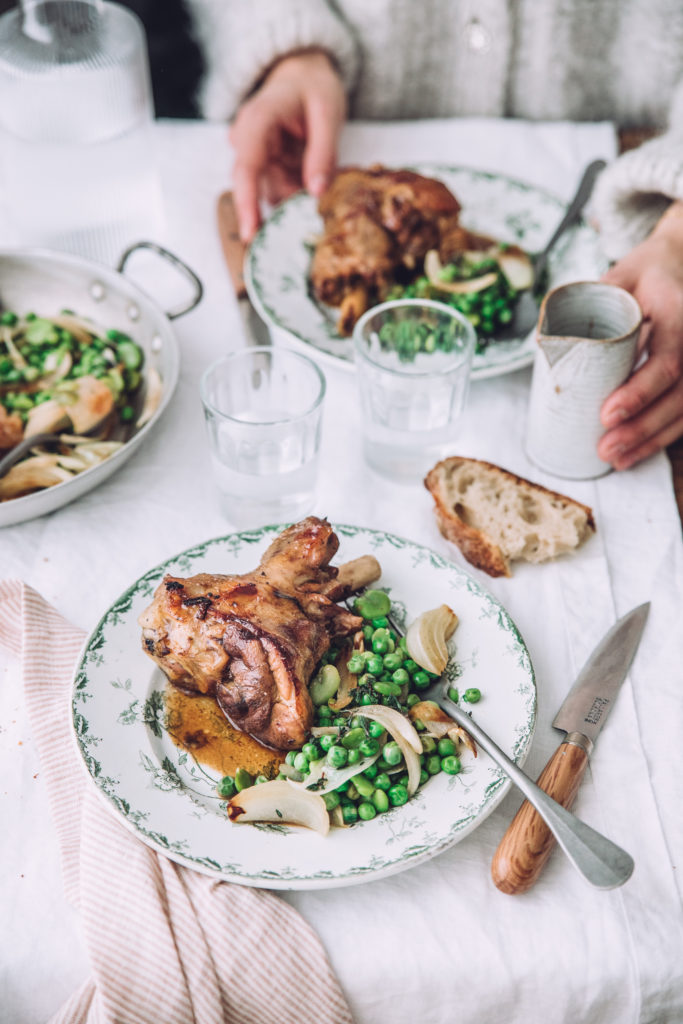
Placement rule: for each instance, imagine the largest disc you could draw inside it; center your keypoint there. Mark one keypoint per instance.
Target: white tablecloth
(437, 943)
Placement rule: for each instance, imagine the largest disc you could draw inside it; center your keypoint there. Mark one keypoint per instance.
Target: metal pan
(46, 281)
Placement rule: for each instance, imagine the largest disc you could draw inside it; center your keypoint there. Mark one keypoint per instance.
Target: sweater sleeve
(633, 192)
(242, 38)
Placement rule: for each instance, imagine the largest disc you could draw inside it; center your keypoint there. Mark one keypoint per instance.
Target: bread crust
(477, 547)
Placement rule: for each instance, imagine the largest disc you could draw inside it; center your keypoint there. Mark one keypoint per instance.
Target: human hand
(645, 414)
(285, 135)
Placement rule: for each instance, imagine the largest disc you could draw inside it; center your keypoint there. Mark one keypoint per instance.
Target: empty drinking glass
(414, 358)
(263, 409)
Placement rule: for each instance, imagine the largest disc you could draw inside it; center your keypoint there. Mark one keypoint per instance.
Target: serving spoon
(526, 308)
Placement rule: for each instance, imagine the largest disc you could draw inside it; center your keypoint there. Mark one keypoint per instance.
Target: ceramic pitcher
(587, 337)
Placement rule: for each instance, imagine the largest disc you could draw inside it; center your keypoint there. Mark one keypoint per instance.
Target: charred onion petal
(427, 635)
(438, 724)
(283, 802)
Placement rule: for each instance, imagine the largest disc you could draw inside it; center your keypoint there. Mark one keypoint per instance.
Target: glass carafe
(76, 158)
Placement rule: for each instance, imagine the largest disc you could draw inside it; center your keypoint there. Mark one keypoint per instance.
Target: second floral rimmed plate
(169, 800)
(278, 263)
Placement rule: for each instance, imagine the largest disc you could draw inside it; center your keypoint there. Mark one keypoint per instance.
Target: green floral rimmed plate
(169, 800)
(278, 262)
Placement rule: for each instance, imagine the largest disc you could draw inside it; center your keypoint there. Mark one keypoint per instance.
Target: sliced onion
(325, 730)
(434, 267)
(292, 773)
(280, 801)
(405, 735)
(322, 778)
(516, 266)
(427, 635)
(393, 721)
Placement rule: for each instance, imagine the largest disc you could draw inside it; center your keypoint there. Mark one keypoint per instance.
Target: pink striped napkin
(166, 944)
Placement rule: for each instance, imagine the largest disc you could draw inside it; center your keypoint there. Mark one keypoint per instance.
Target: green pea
(260, 779)
(369, 747)
(311, 751)
(411, 666)
(226, 787)
(392, 661)
(367, 811)
(324, 712)
(421, 680)
(349, 814)
(367, 698)
(472, 695)
(339, 721)
(354, 757)
(374, 665)
(400, 677)
(371, 771)
(337, 757)
(451, 764)
(391, 752)
(325, 742)
(301, 763)
(364, 786)
(382, 781)
(433, 764)
(243, 779)
(423, 777)
(289, 757)
(331, 800)
(428, 744)
(398, 795)
(375, 729)
(355, 664)
(412, 699)
(380, 622)
(381, 645)
(446, 747)
(367, 633)
(453, 694)
(353, 738)
(352, 793)
(8, 319)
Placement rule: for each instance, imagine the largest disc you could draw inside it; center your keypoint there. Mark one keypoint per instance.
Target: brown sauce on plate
(198, 725)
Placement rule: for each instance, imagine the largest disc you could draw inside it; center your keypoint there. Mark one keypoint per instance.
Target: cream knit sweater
(618, 60)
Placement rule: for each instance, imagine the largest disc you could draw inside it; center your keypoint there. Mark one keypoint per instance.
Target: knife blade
(528, 843)
(234, 251)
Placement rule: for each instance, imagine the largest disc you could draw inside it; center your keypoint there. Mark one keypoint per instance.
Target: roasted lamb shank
(378, 222)
(253, 641)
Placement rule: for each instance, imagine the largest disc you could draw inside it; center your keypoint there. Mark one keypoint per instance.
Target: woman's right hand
(285, 135)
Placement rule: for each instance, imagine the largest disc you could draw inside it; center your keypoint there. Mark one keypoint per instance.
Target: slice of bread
(496, 517)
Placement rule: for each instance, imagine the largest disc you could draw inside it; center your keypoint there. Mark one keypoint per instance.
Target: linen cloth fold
(165, 943)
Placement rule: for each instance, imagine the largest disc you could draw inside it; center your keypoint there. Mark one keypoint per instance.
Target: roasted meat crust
(376, 223)
(253, 641)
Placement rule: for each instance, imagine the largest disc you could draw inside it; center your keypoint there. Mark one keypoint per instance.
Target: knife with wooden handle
(234, 251)
(528, 842)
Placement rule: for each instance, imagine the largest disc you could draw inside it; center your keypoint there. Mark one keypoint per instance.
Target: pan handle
(198, 287)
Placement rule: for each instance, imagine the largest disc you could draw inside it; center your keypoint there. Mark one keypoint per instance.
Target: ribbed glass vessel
(75, 114)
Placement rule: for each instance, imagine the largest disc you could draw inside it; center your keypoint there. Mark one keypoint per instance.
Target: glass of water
(263, 409)
(414, 358)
